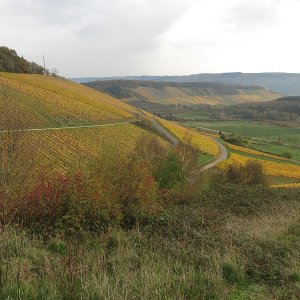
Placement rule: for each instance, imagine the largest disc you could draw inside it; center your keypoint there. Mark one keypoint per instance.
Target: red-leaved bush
(77, 202)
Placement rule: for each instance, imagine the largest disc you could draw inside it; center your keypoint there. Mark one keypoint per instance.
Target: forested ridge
(10, 61)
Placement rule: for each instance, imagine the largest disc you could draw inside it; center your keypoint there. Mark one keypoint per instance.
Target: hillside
(281, 109)
(116, 212)
(68, 124)
(141, 92)
(44, 101)
(283, 83)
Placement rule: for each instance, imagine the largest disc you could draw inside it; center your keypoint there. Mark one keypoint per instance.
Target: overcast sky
(154, 37)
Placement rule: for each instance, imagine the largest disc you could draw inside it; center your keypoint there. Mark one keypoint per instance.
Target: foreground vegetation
(135, 220)
(236, 241)
(137, 227)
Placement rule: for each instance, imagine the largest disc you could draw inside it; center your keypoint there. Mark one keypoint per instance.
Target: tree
(186, 153)
(149, 149)
(11, 62)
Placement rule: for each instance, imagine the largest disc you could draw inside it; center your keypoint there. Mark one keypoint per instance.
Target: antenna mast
(44, 64)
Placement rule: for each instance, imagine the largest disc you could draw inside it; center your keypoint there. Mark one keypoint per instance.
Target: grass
(287, 162)
(256, 130)
(276, 149)
(203, 159)
(195, 250)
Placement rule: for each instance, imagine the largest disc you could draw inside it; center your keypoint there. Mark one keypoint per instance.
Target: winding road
(164, 131)
(155, 124)
(221, 157)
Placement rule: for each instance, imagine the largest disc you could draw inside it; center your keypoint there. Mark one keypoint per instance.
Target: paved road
(164, 131)
(221, 157)
(172, 139)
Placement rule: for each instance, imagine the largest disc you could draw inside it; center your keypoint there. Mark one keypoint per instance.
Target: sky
(90, 38)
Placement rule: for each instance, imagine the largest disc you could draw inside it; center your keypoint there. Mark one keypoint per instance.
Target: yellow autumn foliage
(202, 142)
(271, 168)
(70, 148)
(286, 185)
(254, 152)
(44, 101)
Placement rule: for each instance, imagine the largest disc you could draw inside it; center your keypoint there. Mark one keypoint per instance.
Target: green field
(203, 159)
(256, 130)
(277, 149)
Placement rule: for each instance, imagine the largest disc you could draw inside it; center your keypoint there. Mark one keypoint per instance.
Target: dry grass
(194, 251)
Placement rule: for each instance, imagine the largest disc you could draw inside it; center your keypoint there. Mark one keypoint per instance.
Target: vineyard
(254, 152)
(46, 102)
(70, 148)
(271, 168)
(42, 101)
(202, 142)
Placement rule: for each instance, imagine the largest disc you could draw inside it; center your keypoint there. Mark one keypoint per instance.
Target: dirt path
(71, 127)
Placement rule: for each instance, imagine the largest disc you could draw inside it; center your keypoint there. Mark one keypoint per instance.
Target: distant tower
(44, 64)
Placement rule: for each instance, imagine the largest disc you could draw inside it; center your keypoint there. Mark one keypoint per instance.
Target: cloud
(120, 37)
(88, 32)
(253, 15)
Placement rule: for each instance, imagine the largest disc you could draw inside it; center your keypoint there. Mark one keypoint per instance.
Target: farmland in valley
(266, 132)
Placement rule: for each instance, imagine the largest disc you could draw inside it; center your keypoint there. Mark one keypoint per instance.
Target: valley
(171, 191)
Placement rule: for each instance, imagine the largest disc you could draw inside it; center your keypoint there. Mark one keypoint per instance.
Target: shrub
(129, 183)
(66, 202)
(252, 173)
(170, 172)
(286, 154)
(231, 274)
(268, 263)
(233, 139)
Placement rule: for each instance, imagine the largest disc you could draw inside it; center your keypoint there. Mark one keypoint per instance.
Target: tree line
(11, 62)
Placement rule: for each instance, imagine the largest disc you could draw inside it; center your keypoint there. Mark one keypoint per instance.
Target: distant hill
(283, 83)
(285, 110)
(11, 62)
(141, 92)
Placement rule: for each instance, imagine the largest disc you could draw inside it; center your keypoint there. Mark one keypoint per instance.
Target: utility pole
(44, 64)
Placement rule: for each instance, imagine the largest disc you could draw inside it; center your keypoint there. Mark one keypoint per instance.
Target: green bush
(268, 263)
(170, 172)
(286, 154)
(231, 275)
